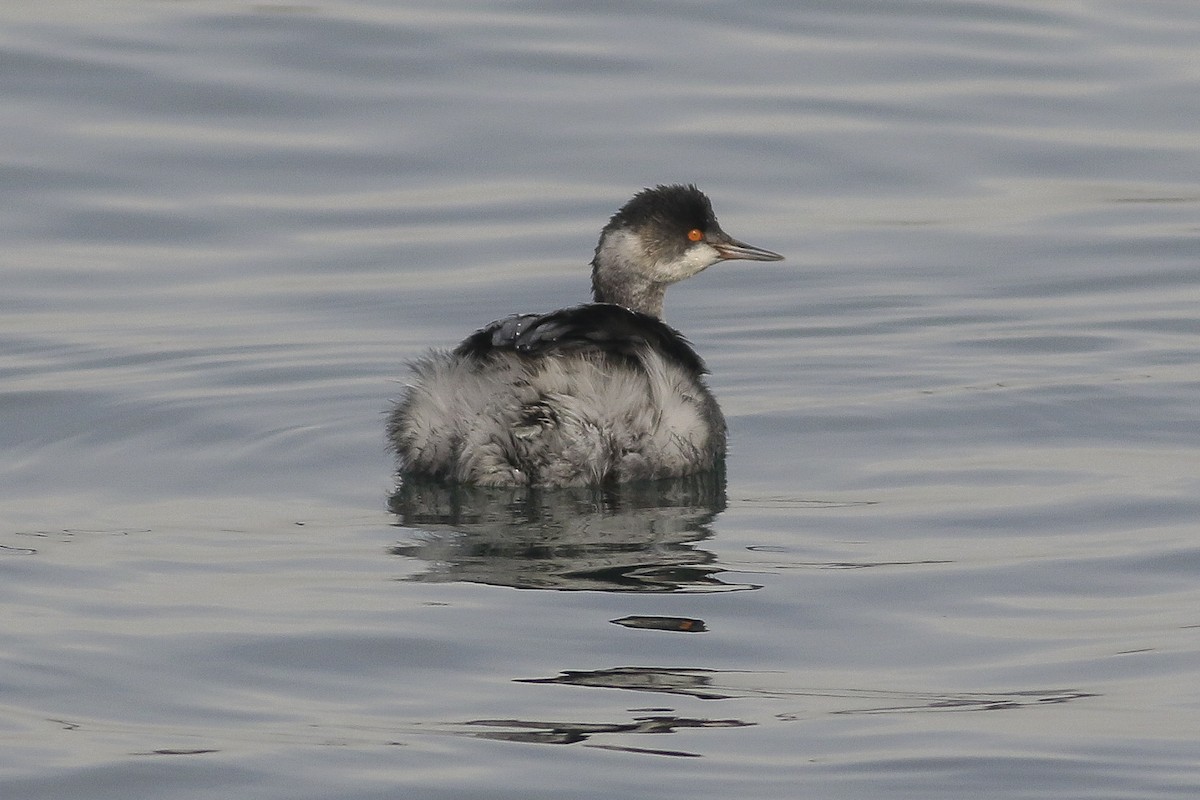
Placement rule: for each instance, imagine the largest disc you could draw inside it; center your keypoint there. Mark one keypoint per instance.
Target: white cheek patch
(696, 258)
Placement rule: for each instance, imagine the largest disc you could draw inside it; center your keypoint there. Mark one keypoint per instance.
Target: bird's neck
(619, 275)
(646, 298)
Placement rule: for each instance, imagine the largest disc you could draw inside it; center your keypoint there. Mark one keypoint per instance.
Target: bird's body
(599, 393)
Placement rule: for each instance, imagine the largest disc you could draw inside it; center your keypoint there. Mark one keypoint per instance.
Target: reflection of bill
(626, 538)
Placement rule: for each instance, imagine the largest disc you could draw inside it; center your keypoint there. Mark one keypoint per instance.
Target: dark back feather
(597, 327)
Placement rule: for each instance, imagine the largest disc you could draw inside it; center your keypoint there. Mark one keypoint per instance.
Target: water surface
(955, 553)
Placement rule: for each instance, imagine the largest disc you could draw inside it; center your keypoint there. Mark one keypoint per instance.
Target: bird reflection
(627, 537)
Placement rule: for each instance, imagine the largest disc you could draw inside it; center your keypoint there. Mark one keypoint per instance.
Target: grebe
(599, 393)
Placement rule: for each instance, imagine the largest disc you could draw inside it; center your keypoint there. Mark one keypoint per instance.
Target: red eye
(695, 234)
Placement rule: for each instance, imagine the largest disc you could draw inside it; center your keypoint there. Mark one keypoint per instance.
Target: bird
(592, 395)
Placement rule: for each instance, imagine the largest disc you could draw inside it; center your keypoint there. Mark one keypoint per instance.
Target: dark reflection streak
(643, 751)
(995, 702)
(796, 502)
(539, 732)
(777, 566)
(677, 624)
(707, 684)
(691, 682)
(870, 564)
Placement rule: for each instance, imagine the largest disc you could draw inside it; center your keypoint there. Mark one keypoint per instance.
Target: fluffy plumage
(595, 394)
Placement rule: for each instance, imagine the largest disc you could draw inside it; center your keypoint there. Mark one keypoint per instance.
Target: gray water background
(958, 551)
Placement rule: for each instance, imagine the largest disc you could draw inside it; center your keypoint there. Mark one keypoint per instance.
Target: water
(956, 554)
